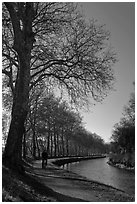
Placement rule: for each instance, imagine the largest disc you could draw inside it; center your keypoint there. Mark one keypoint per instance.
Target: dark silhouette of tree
(51, 42)
(59, 129)
(129, 110)
(123, 136)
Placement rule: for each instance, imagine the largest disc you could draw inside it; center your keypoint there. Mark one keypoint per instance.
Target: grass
(21, 188)
(26, 188)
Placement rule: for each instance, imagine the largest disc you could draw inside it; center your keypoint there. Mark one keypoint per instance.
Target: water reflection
(99, 170)
(67, 166)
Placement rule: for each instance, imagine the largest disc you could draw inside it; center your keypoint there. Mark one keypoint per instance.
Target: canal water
(99, 170)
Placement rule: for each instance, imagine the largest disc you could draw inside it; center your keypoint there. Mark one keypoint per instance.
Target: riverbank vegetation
(123, 138)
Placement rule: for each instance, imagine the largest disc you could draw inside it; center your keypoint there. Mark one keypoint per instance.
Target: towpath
(75, 186)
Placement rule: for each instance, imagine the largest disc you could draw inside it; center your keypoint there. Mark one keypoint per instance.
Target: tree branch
(14, 18)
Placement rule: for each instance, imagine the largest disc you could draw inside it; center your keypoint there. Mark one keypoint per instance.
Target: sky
(119, 18)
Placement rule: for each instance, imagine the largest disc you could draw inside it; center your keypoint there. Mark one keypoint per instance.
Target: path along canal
(99, 170)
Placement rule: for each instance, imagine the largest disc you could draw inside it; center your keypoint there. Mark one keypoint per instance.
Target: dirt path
(75, 186)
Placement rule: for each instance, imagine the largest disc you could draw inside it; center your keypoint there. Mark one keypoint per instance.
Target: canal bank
(121, 166)
(71, 185)
(62, 161)
(99, 170)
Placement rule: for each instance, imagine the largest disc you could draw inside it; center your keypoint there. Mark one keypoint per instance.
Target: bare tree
(51, 42)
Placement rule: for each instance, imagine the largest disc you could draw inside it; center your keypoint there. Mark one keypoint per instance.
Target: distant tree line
(52, 125)
(123, 136)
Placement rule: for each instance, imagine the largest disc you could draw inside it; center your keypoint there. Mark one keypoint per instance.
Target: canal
(99, 170)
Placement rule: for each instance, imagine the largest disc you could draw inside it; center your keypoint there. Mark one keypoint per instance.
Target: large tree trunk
(13, 154)
(23, 43)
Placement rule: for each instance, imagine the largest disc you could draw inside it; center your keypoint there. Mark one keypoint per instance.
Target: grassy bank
(126, 160)
(28, 188)
(19, 188)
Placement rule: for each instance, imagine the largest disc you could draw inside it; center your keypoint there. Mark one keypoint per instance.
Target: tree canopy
(50, 43)
(67, 51)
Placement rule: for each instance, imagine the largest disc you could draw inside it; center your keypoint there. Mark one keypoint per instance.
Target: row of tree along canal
(52, 125)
